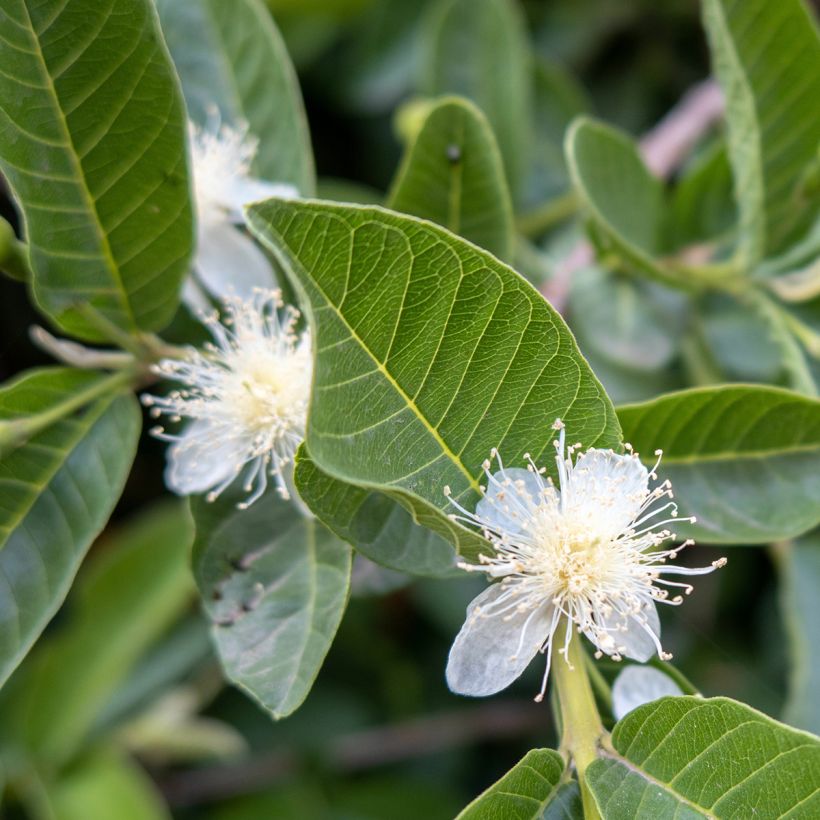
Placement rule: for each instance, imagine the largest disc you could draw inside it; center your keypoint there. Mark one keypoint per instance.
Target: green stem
(538, 221)
(13, 254)
(583, 731)
(14, 432)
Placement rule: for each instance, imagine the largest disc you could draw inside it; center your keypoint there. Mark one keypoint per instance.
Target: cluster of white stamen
(247, 394)
(599, 570)
(220, 156)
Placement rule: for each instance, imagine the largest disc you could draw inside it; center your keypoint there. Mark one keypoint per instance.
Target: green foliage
(767, 59)
(230, 57)
(275, 585)
(96, 134)
(452, 175)
(532, 790)
(478, 49)
(397, 405)
(745, 460)
(690, 757)
(125, 599)
(60, 486)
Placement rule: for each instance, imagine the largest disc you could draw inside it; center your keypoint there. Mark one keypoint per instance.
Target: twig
(78, 355)
(358, 751)
(663, 148)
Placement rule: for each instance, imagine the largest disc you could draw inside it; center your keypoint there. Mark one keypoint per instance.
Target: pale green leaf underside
(231, 59)
(687, 757)
(428, 353)
(767, 59)
(800, 572)
(378, 527)
(620, 194)
(452, 174)
(275, 585)
(745, 459)
(56, 492)
(523, 793)
(479, 49)
(125, 598)
(95, 153)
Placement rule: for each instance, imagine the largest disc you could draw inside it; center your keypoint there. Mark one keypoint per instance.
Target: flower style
(247, 398)
(585, 553)
(227, 260)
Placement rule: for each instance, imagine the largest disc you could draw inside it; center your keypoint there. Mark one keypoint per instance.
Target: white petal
(636, 642)
(194, 297)
(606, 490)
(228, 263)
(201, 459)
(504, 507)
(637, 685)
(245, 190)
(485, 657)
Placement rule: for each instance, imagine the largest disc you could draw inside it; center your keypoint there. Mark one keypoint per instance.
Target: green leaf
(376, 525)
(126, 597)
(230, 56)
(744, 459)
(624, 200)
(429, 352)
(799, 564)
(767, 59)
(58, 490)
(527, 792)
(452, 175)
(689, 757)
(94, 150)
(479, 49)
(106, 786)
(275, 585)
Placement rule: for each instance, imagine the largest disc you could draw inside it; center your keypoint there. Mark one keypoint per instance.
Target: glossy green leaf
(231, 58)
(688, 757)
(376, 525)
(525, 792)
(766, 57)
(135, 586)
(624, 200)
(58, 490)
(275, 585)
(799, 564)
(104, 787)
(95, 154)
(452, 174)
(744, 459)
(429, 352)
(479, 49)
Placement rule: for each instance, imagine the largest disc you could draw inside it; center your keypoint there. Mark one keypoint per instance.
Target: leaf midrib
(79, 176)
(728, 455)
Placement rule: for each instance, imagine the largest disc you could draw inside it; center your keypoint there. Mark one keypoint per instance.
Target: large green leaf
(624, 200)
(531, 790)
(377, 526)
(275, 585)
(124, 600)
(429, 352)
(744, 459)
(452, 175)
(688, 757)
(58, 490)
(480, 50)
(767, 59)
(800, 572)
(94, 148)
(231, 57)
(106, 786)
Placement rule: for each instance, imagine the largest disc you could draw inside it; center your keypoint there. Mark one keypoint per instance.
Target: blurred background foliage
(122, 701)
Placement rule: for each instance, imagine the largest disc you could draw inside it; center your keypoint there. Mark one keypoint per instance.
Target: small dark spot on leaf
(453, 153)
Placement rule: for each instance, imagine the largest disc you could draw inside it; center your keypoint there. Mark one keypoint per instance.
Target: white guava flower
(585, 553)
(227, 261)
(637, 685)
(246, 399)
